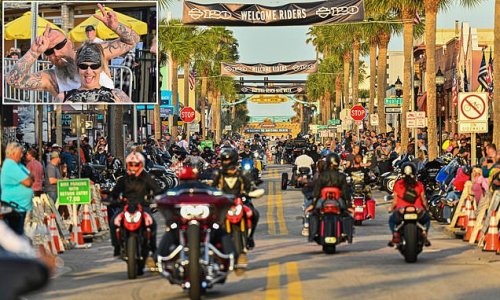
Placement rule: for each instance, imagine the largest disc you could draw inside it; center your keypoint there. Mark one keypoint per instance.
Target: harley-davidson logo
(195, 13)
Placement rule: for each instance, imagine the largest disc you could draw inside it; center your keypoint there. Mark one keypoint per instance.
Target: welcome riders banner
(312, 13)
(272, 90)
(281, 68)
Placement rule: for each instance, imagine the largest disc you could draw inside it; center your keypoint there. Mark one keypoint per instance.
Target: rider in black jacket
(136, 186)
(331, 177)
(230, 181)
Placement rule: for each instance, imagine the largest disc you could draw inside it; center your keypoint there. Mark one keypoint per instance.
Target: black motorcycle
(411, 233)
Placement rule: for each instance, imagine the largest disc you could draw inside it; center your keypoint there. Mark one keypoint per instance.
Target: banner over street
(293, 89)
(292, 14)
(281, 68)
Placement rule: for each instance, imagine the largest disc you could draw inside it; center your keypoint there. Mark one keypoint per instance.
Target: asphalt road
(284, 266)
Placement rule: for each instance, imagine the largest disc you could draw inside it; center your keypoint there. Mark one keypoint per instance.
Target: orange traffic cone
(491, 239)
(51, 245)
(86, 223)
(56, 240)
(461, 219)
(77, 236)
(470, 226)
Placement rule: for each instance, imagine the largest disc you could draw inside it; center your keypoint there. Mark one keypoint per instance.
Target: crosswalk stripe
(273, 282)
(294, 284)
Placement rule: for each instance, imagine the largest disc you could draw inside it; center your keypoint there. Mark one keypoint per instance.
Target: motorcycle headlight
(189, 212)
(132, 218)
(235, 210)
(247, 167)
(256, 155)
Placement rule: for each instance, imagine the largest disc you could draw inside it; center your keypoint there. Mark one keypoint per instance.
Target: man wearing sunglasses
(59, 50)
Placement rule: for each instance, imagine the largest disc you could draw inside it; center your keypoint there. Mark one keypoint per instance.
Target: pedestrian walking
(35, 167)
(16, 192)
(53, 175)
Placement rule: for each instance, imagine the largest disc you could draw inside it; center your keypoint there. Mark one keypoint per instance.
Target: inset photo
(79, 52)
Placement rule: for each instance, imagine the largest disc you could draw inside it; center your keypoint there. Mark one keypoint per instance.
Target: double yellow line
(275, 200)
(294, 286)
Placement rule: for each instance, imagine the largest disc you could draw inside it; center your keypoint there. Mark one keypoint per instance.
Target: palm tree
(496, 77)
(172, 40)
(431, 10)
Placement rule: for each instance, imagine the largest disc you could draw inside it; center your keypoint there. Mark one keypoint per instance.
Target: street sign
(358, 112)
(207, 143)
(194, 127)
(73, 191)
(89, 124)
(187, 114)
(392, 110)
(334, 122)
(472, 112)
(228, 127)
(393, 101)
(415, 119)
(472, 127)
(374, 119)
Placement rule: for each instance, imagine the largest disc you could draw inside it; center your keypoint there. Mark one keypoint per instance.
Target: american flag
(489, 78)
(192, 79)
(483, 73)
(454, 90)
(466, 80)
(416, 19)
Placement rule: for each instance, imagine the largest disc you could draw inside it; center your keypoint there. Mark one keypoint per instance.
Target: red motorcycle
(197, 263)
(133, 232)
(362, 208)
(332, 227)
(239, 223)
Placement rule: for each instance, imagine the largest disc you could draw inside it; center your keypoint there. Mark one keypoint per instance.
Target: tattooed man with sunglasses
(59, 50)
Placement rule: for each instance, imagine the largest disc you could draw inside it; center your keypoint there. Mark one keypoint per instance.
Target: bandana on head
(89, 54)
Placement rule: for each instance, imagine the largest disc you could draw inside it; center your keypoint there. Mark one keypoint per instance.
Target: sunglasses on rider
(59, 46)
(86, 67)
(133, 164)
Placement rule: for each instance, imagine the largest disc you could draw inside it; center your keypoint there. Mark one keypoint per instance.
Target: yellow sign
(269, 99)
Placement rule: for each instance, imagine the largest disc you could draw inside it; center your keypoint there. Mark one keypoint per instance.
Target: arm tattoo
(21, 69)
(128, 39)
(121, 97)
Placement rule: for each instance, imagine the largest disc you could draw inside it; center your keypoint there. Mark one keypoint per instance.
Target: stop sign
(187, 114)
(358, 112)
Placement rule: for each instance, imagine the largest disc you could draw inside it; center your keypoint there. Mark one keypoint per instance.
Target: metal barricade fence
(18, 96)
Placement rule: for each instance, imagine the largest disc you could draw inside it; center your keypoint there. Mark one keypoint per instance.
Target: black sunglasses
(59, 46)
(92, 66)
(133, 164)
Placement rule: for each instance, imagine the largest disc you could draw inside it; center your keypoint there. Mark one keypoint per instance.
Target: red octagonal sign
(358, 112)
(187, 114)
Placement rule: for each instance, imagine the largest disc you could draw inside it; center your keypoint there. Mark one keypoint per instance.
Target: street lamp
(416, 86)
(398, 85)
(440, 79)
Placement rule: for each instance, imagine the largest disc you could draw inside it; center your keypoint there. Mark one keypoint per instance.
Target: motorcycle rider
(402, 200)
(331, 177)
(358, 167)
(230, 180)
(169, 241)
(303, 161)
(195, 160)
(247, 152)
(135, 186)
(208, 154)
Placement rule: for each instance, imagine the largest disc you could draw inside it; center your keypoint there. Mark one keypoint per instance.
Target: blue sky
(273, 44)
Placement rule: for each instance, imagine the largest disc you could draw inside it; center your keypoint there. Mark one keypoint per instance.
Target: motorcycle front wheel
(237, 236)
(132, 256)
(193, 237)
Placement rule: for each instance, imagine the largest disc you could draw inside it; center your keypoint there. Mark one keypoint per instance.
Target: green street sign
(393, 101)
(334, 122)
(321, 127)
(73, 191)
(207, 143)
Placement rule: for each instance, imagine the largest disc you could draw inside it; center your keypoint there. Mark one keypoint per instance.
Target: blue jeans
(395, 218)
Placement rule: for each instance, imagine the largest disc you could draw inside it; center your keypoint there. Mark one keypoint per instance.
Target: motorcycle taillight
(331, 209)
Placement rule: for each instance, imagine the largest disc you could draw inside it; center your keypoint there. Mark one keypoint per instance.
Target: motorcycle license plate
(410, 216)
(359, 209)
(330, 240)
